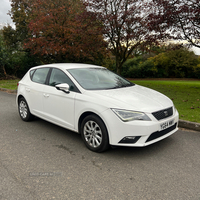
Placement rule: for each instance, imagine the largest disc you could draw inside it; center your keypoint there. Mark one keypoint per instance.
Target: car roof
(65, 66)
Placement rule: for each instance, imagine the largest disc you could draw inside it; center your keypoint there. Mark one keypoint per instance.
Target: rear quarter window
(31, 73)
(39, 75)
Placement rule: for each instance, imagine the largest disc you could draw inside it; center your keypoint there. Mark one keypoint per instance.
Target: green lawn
(9, 84)
(185, 94)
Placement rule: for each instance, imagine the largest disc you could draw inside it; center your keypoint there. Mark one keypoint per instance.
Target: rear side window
(40, 75)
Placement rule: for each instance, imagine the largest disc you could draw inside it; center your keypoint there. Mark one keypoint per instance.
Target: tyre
(94, 134)
(24, 111)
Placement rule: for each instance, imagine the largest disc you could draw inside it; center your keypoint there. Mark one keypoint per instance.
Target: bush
(130, 68)
(148, 69)
(197, 71)
(181, 63)
(19, 63)
(176, 63)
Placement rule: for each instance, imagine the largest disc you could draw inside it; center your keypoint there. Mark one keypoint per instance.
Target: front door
(58, 105)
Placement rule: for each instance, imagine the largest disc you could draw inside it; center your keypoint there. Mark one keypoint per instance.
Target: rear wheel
(94, 134)
(24, 111)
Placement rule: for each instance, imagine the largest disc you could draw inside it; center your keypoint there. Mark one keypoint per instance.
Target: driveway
(39, 160)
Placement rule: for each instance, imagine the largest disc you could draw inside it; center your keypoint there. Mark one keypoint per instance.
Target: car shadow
(63, 137)
(153, 149)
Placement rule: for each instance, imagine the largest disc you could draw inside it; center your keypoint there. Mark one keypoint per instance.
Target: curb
(8, 90)
(189, 125)
(181, 124)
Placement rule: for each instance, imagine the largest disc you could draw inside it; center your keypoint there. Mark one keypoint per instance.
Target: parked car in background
(103, 107)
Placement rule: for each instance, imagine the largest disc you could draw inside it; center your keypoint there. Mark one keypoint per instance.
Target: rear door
(34, 92)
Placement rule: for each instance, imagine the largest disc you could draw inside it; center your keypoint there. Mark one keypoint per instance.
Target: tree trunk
(3, 73)
(118, 65)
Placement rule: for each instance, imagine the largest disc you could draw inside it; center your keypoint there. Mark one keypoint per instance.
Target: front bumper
(143, 133)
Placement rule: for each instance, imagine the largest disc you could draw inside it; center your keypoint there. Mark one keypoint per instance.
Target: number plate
(167, 124)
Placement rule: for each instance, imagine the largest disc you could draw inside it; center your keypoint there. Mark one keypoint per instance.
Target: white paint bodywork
(65, 109)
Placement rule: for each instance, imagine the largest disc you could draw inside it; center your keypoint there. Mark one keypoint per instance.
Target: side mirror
(63, 87)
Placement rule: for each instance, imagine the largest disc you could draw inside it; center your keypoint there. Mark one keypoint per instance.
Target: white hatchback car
(103, 107)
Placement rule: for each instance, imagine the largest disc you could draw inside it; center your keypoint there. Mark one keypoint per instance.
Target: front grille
(158, 134)
(162, 114)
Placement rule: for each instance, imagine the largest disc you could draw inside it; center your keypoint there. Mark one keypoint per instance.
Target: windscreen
(98, 79)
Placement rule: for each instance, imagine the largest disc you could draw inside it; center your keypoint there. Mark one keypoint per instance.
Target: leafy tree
(10, 37)
(179, 18)
(56, 31)
(14, 61)
(20, 14)
(62, 30)
(124, 26)
(3, 56)
(14, 38)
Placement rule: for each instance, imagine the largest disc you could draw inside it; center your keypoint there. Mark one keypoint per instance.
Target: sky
(6, 19)
(4, 9)
(196, 50)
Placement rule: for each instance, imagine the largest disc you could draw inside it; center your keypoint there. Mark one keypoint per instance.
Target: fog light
(130, 139)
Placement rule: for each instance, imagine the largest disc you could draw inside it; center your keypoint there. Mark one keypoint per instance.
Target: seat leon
(103, 107)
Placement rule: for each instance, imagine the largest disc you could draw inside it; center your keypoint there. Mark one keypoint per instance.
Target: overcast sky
(4, 8)
(5, 18)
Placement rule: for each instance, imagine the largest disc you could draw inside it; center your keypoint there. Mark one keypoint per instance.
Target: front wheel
(24, 111)
(94, 134)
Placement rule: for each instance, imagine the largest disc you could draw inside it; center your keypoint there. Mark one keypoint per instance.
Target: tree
(11, 38)
(3, 56)
(62, 30)
(124, 26)
(20, 15)
(179, 18)
(13, 61)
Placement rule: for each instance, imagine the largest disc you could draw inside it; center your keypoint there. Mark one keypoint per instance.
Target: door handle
(46, 95)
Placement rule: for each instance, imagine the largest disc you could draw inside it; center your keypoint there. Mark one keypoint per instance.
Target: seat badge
(166, 113)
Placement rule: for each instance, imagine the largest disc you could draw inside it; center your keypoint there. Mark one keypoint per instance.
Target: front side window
(40, 75)
(58, 77)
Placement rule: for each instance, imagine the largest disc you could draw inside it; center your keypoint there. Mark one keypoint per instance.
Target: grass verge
(9, 84)
(184, 94)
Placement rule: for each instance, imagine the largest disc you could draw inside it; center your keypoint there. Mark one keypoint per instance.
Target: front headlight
(128, 115)
(175, 110)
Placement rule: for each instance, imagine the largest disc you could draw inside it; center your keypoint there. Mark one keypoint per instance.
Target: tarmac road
(39, 160)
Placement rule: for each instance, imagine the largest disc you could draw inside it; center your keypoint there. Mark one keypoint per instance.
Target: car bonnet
(136, 98)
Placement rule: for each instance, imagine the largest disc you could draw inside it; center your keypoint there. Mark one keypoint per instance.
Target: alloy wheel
(23, 110)
(92, 134)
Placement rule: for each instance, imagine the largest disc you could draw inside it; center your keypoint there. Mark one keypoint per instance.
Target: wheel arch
(85, 114)
(20, 96)
(104, 143)
(25, 117)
